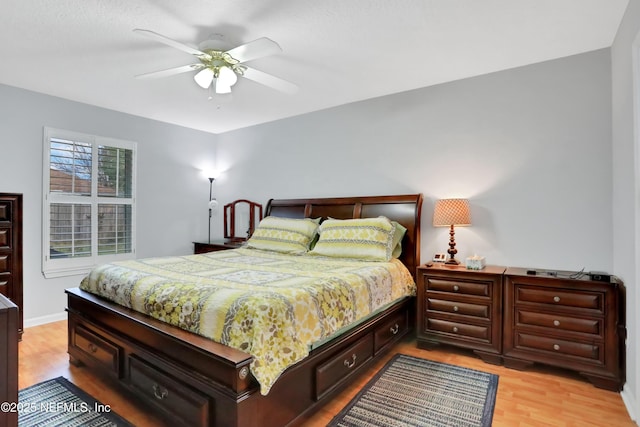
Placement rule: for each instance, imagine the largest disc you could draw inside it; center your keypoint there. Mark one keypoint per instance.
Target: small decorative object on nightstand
(475, 262)
(448, 213)
(461, 307)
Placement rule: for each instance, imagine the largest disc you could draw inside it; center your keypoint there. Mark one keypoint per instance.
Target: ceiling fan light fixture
(204, 78)
(220, 87)
(227, 77)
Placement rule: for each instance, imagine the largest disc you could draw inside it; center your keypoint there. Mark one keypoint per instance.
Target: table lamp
(449, 213)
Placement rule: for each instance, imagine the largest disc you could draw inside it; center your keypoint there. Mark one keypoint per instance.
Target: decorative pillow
(362, 238)
(398, 234)
(286, 235)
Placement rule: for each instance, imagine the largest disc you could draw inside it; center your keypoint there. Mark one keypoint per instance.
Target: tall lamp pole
(210, 205)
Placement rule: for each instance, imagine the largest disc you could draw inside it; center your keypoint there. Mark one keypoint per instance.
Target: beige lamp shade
(449, 212)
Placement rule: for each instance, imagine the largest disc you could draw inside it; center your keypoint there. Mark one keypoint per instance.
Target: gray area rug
(59, 403)
(409, 391)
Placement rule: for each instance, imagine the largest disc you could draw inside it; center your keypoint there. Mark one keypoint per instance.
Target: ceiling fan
(218, 68)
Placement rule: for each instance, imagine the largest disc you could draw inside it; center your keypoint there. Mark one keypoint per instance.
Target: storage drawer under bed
(337, 369)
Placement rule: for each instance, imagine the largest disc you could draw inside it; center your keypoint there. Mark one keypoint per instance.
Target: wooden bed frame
(190, 380)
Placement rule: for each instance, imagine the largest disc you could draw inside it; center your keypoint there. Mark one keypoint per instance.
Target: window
(89, 201)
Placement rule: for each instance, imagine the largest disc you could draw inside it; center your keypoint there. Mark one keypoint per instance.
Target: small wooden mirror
(240, 219)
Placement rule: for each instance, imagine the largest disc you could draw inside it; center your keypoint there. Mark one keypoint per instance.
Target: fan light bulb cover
(227, 77)
(204, 78)
(220, 87)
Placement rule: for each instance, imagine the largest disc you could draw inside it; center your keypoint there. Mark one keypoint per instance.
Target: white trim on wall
(631, 401)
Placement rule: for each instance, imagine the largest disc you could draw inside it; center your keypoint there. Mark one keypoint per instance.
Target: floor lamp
(213, 204)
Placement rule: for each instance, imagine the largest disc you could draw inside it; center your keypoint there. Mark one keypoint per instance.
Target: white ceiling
(336, 51)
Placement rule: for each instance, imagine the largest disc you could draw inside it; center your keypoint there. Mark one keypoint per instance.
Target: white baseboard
(630, 401)
(36, 321)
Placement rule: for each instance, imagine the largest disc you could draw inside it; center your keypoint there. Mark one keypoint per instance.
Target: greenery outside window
(88, 203)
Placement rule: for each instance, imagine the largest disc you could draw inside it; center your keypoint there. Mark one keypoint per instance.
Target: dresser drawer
(342, 366)
(178, 401)
(459, 329)
(95, 349)
(397, 325)
(562, 298)
(562, 323)
(478, 288)
(475, 310)
(559, 347)
(5, 239)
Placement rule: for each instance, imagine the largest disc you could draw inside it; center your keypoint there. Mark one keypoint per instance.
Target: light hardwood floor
(537, 397)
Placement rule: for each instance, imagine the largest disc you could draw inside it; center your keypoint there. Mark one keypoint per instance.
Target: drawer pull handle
(352, 363)
(455, 308)
(394, 330)
(456, 288)
(3, 283)
(455, 329)
(160, 393)
(556, 347)
(556, 323)
(556, 299)
(92, 348)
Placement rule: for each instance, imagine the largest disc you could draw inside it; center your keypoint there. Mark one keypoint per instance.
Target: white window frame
(82, 265)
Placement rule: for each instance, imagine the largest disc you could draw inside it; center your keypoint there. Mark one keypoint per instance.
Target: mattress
(273, 306)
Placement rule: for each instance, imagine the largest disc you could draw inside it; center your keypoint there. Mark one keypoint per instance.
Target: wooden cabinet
(216, 245)
(11, 251)
(461, 307)
(8, 360)
(573, 323)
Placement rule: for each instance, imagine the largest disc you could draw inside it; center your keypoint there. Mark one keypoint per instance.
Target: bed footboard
(192, 381)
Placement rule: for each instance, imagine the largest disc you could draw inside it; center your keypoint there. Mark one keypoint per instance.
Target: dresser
(559, 319)
(461, 307)
(11, 251)
(8, 361)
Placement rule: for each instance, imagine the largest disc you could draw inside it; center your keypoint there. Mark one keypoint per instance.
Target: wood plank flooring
(536, 397)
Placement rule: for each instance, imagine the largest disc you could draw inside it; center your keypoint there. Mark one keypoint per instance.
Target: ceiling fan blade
(170, 42)
(270, 81)
(256, 49)
(170, 71)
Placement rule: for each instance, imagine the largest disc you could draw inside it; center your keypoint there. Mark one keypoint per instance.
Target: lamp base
(452, 261)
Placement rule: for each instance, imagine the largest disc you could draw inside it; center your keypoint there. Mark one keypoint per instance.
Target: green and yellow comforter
(272, 306)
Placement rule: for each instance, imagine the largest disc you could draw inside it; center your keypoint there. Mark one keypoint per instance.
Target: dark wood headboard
(405, 209)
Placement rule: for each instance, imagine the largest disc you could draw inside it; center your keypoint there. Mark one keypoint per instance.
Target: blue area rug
(59, 403)
(409, 391)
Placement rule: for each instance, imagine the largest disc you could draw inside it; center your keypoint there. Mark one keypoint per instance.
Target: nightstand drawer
(477, 288)
(561, 298)
(476, 310)
(562, 323)
(459, 329)
(560, 347)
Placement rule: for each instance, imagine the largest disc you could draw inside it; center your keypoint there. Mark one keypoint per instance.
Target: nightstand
(217, 245)
(461, 307)
(557, 318)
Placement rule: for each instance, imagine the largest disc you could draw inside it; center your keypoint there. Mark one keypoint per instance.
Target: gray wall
(530, 147)
(626, 232)
(172, 194)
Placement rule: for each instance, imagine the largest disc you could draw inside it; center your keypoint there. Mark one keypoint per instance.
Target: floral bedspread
(270, 305)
